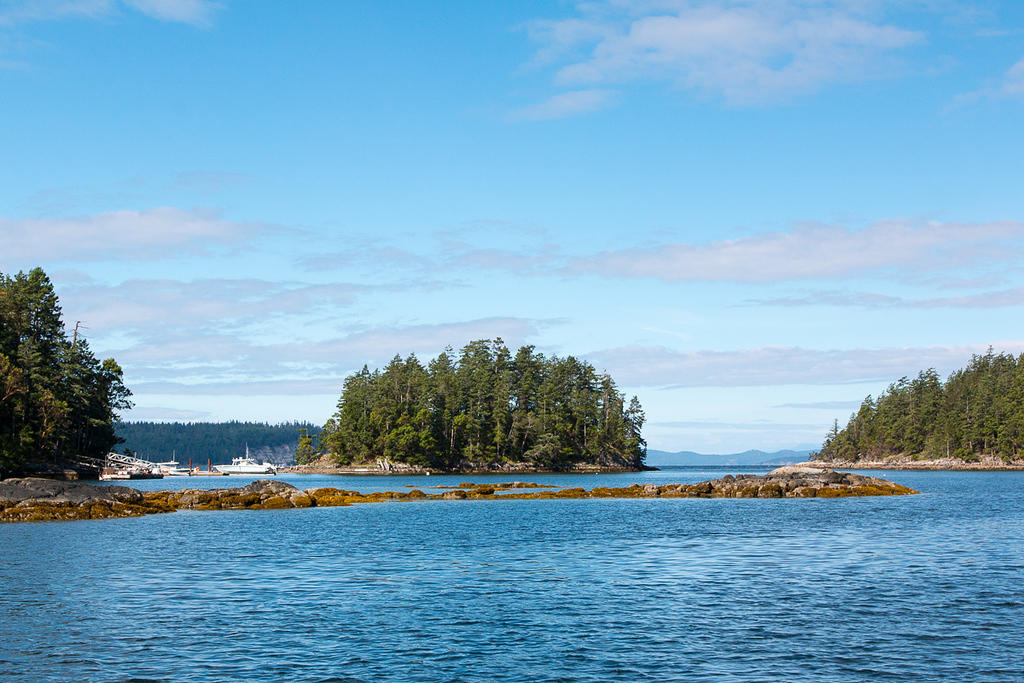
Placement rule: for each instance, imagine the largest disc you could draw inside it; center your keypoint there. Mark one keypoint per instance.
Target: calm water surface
(926, 587)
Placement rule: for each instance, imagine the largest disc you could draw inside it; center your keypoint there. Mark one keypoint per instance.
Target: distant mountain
(753, 457)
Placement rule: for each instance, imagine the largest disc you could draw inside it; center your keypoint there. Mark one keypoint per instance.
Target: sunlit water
(926, 587)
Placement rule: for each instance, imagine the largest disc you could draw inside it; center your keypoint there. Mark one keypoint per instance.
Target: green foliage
(305, 451)
(216, 441)
(483, 407)
(978, 410)
(57, 401)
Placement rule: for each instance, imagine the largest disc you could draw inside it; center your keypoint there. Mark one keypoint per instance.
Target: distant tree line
(218, 442)
(483, 407)
(978, 410)
(57, 400)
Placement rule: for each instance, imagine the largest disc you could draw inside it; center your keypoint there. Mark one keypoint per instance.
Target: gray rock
(788, 470)
(268, 487)
(33, 490)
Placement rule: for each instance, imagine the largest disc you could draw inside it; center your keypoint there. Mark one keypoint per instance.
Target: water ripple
(925, 588)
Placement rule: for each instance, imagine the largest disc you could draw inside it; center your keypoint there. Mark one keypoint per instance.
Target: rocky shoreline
(941, 464)
(41, 500)
(386, 467)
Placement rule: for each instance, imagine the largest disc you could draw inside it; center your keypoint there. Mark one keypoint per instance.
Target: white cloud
(195, 12)
(991, 299)
(772, 365)
(740, 426)
(952, 256)
(161, 414)
(24, 11)
(818, 252)
(510, 248)
(119, 234)
(742, 50)
(1013, 82)
(234, 365)
(162, 308)
(564, 105)
(822, 405)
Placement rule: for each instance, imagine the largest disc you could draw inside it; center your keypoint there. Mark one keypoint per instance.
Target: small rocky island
(41, 500)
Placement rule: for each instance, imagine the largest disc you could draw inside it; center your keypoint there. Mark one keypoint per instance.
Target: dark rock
(799, 482)
(832, 477)
(33, 490)
(263, 494)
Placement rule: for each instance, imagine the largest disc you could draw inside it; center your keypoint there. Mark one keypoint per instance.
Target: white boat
(117, 475)
(246, 465)
(172, 468)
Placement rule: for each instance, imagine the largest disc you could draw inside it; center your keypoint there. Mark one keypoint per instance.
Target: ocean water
(927, 587)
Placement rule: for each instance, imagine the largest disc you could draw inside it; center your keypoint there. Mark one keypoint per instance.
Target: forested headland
(483, 408)
(218, 442)
(57, 400)
(978, 412)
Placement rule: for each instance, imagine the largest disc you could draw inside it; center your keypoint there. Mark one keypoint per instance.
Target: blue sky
(752, 214)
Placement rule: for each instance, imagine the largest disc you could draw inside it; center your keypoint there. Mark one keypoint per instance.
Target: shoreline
(943, 465)
(395, 470)
(47, 500)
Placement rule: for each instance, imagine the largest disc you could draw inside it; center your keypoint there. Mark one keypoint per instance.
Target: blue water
(369, 483)
(926, 587)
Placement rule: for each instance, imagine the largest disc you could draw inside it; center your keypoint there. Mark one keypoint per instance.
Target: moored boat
(246, 465)
(172, 468)
(109, 474)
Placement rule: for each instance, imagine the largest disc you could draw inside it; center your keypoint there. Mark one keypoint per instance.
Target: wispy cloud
(1001, 298)
(951, 256)
(489, 246)
(565, 104)
(162, 414)
(763, 426)
(771, 365)
(235, 365)
(163, 308)
(195, 12)
(745, 51)
(822, 405)
(818, 253)
(26, 11)
(1008, 85)
(1013, 81)
(147, 233)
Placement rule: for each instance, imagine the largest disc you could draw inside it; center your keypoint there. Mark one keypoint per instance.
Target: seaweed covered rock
(792, 482)
(259, 495)
(47, 499)
(40, 500)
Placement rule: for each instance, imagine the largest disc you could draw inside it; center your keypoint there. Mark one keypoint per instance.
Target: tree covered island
(482, 409)
(975, 416)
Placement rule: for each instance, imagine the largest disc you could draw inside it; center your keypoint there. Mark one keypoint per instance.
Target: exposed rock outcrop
(795, 481)
(24, 500)
(262, 494)
(33, 500)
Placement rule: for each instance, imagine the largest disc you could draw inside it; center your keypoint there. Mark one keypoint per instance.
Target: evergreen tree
(58, 402)
(978, 411)
(484, 407)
